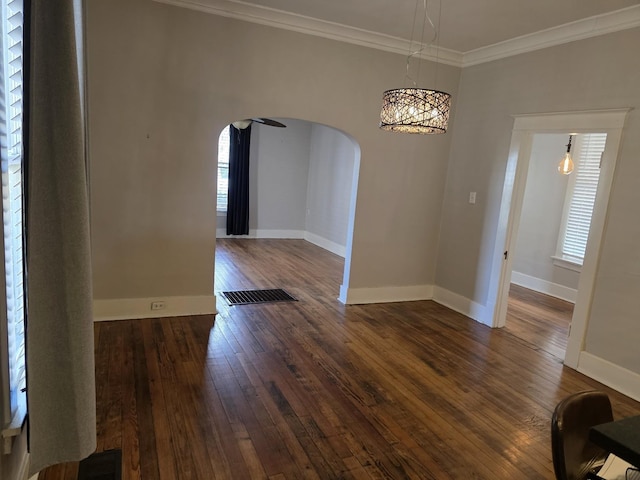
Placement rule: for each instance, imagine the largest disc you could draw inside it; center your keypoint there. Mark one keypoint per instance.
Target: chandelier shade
(415, 110)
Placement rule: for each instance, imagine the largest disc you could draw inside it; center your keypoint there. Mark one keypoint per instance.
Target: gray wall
(164, 81)
(301, 183)
(11, 465)
(331, 164)
(597, 73)
(281, 169)
(541, 216)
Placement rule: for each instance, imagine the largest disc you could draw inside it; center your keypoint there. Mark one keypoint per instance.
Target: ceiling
(465, 25)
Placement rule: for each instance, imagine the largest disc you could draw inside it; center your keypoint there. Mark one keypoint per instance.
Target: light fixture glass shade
(415, 110)
(566, 166)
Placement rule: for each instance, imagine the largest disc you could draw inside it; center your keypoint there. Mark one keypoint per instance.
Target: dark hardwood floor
(317, 390)
(540, 320)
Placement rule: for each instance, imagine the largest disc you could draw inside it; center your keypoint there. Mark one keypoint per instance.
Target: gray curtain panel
(60, 360)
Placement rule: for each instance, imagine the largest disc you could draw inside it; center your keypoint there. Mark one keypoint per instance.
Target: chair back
(573, 454)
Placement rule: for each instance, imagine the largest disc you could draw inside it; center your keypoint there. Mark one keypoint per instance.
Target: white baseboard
(133, 308)
(614, 376)
(544, 286)
(464, 305)
(322, 242)
(262, 233)
(358, 296)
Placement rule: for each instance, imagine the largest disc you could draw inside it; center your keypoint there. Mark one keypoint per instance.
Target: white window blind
(587, 157)
(12, 199)
(223, 170)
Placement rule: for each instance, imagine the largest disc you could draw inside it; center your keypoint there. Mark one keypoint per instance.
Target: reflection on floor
(318, 390)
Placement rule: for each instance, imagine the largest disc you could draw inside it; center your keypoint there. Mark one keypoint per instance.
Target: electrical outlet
(158, 305)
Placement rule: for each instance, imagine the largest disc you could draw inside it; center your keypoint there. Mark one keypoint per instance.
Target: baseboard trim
(544, 286)
(135, 308)
(262, 233)
(464, 305)
(612, 375)
(322, 242)
(360, 296)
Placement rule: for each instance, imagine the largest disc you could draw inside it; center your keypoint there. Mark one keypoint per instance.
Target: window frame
(12, 304)
(582, 161)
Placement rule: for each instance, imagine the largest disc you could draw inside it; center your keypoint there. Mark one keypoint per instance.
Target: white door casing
(525, 127)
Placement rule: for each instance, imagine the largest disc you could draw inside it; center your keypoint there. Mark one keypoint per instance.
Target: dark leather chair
(574, 456)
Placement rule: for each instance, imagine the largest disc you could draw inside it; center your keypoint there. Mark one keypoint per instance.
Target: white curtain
(60, 359)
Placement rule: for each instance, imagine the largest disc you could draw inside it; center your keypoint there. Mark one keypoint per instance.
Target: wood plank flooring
(318, 390)
(541, 320)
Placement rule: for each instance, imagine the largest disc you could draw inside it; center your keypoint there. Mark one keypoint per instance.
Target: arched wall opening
(302, 185)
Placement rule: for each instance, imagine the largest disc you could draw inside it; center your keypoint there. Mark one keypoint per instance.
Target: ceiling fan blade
(270, 122)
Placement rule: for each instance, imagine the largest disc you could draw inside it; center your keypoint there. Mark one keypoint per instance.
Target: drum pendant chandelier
(413, 109)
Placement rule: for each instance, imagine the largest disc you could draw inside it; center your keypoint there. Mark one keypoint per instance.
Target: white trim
(582, 121)
(322, 242)
(581, 29)
(525, 127)
(135, 308)
(614, 376)
(567, 263)
(359, 296)
(263, 233)
(570, 32)
(544, 286)
(463, 305)
(313, 26)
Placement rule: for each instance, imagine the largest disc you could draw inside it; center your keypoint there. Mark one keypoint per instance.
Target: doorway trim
(525, 127)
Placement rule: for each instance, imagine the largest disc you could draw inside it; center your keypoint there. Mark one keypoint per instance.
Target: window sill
(14, 428)
(568, 263)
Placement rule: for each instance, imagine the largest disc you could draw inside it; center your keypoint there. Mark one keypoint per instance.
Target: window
(581, 196)
(223, 170)
(12, 320)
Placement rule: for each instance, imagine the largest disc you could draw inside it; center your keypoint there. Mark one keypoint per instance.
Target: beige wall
(14, 466)
(541, 217)
(279, 169)
(332, 159)
(598, 73)
(163, 82)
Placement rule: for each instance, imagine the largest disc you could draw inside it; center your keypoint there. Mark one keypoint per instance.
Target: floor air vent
(246, 297)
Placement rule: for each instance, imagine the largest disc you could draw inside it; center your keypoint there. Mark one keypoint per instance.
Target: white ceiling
(466, 26)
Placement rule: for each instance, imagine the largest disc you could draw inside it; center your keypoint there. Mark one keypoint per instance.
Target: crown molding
(570, 32)
(312, 26)
(589, 27)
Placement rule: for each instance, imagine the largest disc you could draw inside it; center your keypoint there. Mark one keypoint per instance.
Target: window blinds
(12, 203)
(588, 155)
